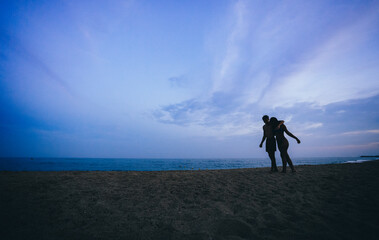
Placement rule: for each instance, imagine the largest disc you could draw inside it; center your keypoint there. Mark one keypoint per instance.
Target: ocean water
(155, 164)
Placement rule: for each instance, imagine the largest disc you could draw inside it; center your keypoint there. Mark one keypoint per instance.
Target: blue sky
(187, 78)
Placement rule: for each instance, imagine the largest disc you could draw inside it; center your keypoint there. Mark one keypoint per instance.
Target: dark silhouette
(268, 135)
(283, 144)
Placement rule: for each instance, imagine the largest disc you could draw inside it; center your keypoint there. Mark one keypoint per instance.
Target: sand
(318, 202)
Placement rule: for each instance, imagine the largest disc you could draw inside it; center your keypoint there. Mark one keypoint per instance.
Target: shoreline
(331, 201)
(147, 165)
(358, 161)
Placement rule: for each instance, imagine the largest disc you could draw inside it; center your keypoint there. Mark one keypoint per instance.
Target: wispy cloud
(223, 79)
(28, 57)
(373, 131)
(371, 145)
(312, 125)
(220, 112)
(193, 69)
(269, 62)
(206, 119)
(178, 81)
(334, 70)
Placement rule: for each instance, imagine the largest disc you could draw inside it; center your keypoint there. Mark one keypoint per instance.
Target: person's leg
(284, 161)
(288, 159)
(274, 168)
(290, 163)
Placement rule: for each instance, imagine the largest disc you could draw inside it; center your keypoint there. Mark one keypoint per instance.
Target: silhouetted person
(283, 142)
(268, 135)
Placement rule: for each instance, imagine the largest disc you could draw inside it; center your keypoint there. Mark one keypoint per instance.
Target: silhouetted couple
(273, 131)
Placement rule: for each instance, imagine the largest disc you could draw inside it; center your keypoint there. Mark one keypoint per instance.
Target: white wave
(358, 161)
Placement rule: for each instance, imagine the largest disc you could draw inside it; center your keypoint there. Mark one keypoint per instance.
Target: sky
(187, 79)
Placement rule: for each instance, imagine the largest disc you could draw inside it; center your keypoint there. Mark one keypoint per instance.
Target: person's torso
(269, 133)
(280, 134)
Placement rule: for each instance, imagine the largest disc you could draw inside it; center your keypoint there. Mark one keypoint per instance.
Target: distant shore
(335, 201)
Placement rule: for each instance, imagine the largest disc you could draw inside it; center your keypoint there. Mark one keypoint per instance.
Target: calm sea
(155, 164)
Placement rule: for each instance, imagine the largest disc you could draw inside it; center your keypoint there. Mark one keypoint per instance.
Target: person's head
(265, 119)
(274, 122)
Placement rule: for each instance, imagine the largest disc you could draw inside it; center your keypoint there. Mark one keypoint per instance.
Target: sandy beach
(318, 202)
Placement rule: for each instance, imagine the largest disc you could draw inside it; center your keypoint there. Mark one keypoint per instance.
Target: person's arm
(263, 138)
(290, 134)
(281, 122)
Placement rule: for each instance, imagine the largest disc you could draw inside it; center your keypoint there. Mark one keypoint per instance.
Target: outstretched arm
(263, 138)
(281, 122)
(290, 134)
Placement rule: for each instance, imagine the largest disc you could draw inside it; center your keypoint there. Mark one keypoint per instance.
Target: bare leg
(274, 168)
(290, 163)
(284, 161)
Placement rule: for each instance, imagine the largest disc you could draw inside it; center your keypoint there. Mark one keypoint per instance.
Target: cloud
(371, 145)
(340, 69)
(220, 111)
(30, 58)
(312, 125)
(374, 131)
(223, 78)
(183, 113)
(277, 58)
(239, 80)
(178, 81)
(209, 118)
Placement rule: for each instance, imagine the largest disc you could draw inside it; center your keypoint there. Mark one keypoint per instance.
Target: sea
(158, 164)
